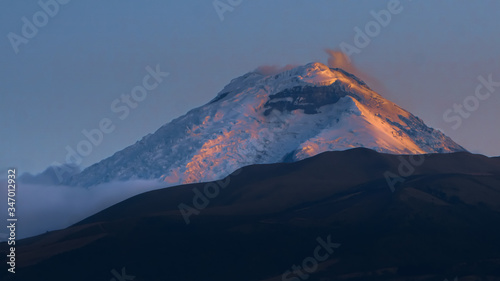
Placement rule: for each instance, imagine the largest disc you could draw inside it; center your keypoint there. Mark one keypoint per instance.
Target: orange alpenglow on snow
(265, 117)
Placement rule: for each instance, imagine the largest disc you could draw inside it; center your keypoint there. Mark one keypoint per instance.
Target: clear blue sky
(64, 79)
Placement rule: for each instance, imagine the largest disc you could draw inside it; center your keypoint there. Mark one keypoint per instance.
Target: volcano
(262, 119)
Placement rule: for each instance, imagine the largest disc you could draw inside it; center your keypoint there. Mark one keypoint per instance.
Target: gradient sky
(91, 52)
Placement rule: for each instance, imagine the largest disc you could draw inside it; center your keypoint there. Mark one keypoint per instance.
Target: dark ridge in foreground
(442, 221)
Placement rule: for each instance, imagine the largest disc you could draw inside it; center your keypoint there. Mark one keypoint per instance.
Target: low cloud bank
(41, 208)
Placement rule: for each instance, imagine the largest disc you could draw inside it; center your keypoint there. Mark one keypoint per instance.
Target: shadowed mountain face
(441, 221)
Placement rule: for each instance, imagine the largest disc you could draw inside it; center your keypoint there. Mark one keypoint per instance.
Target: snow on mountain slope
(260, 118)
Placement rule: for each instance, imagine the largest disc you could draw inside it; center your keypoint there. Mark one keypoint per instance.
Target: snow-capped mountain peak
(259, 118)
